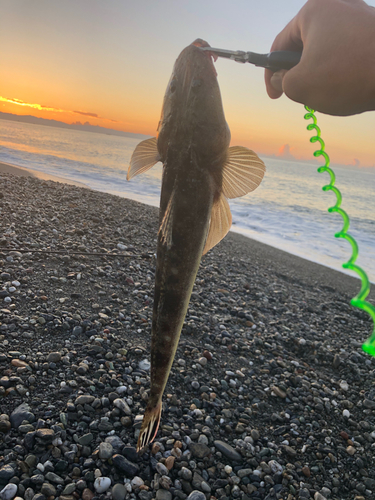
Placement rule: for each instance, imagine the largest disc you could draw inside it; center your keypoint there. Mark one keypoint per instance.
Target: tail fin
(150, 426)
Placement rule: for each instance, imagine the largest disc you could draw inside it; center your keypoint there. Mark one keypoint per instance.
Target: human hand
(336, 74)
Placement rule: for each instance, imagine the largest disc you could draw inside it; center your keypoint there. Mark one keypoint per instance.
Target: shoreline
(8, 168)
(301, 270)
(344, 281)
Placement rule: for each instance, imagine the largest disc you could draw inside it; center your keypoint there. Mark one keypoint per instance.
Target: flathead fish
(200, 172)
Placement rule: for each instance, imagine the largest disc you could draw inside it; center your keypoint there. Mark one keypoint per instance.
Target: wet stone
(21, 413)
(368, 403)
(186, 474)
(48, 490)
(289, 451)
(29, 440)
(145, 495)
(85, 399)
(5, 426)
(102, 484)
(197, 481)
(130, 453)
(86, 439)
(244, 472)
(137, 482)
(46, 435)
(161, 468)
(6, 473)
(128, 468)
(69, 488)
(163, 495)
(39, 496)
(254, 434)
(87, 494)
(199, 450)
(336, 361)
(29, 493)
(31, 460)
(279, 392)
(8, 492)
(54, 478)
(319, 496)
(54, 357)
(105, 451)
(228, 451)
(196, 495)
(118, 492)
(105, 426)
(304, 494)
(169, 462)
(37, 479)
(122, 405)
(25, 428)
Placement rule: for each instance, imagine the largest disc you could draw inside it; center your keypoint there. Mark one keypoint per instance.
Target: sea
(287, 211)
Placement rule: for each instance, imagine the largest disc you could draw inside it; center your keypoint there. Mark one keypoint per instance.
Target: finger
(273, 91)
(277, 80)
(289, 38)
(294, 87)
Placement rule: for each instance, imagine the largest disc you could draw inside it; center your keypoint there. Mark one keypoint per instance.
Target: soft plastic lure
(359, 300)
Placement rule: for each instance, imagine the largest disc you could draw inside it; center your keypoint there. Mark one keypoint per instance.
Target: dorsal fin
(165, 230)
(221, 220)
(243, 172)
(143, 158)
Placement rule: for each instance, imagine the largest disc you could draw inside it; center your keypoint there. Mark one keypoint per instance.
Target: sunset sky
(108, 63)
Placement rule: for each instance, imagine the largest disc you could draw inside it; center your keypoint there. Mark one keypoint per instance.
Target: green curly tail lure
(359, 300)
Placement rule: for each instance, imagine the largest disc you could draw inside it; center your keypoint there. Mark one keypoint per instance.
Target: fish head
(192, 113)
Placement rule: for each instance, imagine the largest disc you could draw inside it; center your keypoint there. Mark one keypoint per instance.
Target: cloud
(19, 102)
(93, 115)
(356, 162)
(285, 153)
(40, 107)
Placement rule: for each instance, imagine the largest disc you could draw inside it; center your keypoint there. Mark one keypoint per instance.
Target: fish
(200, 173)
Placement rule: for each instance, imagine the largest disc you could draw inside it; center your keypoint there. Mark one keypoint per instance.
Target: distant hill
(86, 127)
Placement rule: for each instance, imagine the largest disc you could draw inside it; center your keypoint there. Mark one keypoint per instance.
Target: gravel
(270, 395)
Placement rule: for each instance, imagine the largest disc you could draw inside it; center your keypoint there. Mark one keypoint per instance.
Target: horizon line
(88, 127)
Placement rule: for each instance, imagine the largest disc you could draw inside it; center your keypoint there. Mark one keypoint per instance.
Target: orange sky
(108, 63)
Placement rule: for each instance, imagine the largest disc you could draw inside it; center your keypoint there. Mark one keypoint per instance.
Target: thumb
(276, 81)
(297, 83)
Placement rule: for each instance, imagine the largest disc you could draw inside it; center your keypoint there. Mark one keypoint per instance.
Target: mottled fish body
(200, 172)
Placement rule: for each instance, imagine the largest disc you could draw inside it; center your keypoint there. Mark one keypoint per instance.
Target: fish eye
(172, 88)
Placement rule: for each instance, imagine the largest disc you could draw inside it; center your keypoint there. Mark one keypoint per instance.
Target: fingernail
(277, 81)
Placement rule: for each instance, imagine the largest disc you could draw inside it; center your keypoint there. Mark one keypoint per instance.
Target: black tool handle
(277, 60)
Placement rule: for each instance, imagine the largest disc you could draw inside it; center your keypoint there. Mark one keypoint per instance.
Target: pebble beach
(270, 395)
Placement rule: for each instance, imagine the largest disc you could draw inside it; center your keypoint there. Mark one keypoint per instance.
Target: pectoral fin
(221, 220)
(243, 172)
(143, 158)
(165, 230)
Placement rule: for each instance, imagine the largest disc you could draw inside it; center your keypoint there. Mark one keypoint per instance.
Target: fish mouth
(199, 42)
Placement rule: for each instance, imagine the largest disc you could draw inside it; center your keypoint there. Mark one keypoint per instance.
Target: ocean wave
(288, 210)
